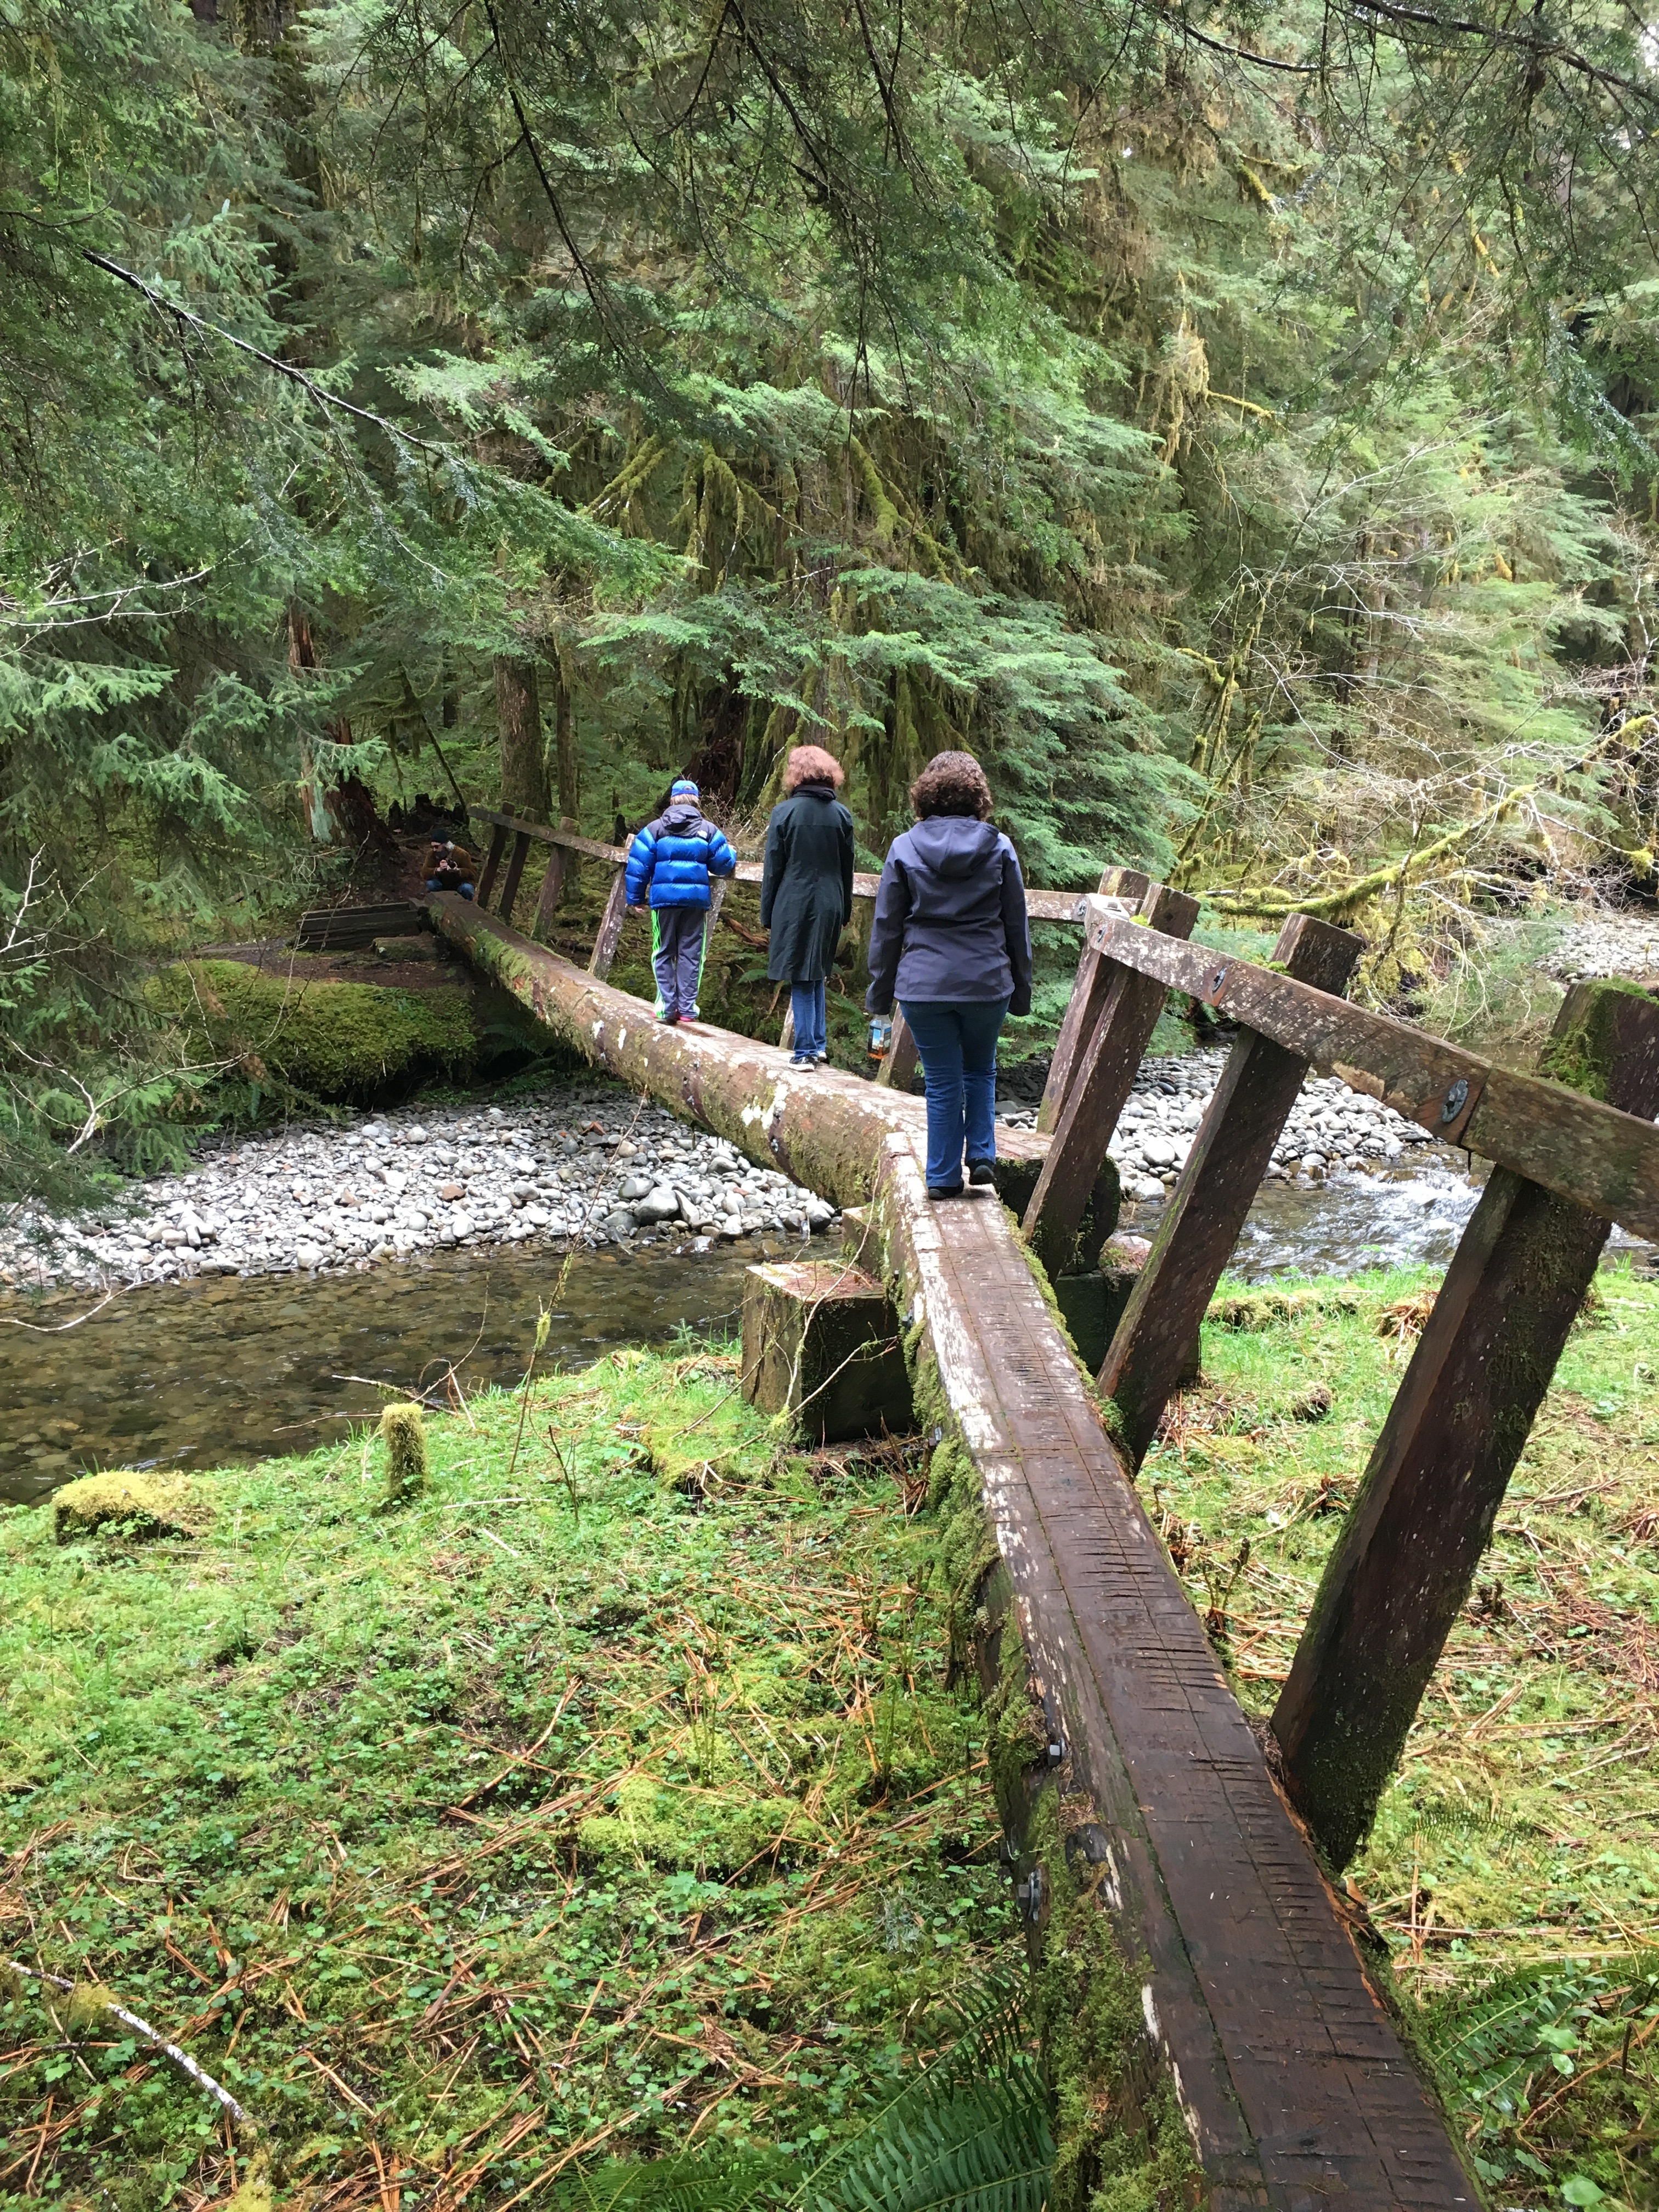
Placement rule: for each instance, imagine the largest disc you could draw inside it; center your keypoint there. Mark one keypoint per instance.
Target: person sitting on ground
(449, 867)
(953, 941)
(670, 861)
(806, 891)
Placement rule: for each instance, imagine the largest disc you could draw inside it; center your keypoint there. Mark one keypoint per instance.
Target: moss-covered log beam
(1206, 2014)
(821, 1127)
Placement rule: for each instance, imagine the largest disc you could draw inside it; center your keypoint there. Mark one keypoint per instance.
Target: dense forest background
(1233, 424)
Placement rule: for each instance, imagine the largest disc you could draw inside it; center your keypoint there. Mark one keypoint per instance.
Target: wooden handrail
(1041, 906)
(1585, 1151)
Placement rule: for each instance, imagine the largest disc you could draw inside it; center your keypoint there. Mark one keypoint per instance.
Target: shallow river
(211, 1371)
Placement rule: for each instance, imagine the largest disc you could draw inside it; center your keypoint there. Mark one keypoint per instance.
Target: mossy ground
(1513, 1867)
(457, 1835)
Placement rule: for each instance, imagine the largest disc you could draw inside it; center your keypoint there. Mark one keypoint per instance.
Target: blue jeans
(958, 1049)
(807, 1003)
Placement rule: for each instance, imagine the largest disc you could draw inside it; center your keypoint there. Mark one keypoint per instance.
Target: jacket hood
(954, 845)
(682, 814)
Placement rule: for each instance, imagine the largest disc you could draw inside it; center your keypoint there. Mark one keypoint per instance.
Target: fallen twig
(181, 2058)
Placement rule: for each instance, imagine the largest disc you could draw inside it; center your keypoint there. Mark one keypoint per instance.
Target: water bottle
(881, 1035)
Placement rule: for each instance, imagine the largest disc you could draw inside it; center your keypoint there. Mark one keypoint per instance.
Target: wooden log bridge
(1137, 1797)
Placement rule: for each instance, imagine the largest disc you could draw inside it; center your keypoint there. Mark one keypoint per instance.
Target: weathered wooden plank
(899, 1065)
(1293, 2082)
(350, 926)
(486, 882)
(1574, 1145)
(611, 927)
(552, 890)
(717, 889)
(514, 871)
(1127, 1010)
(1230, 1155)
(1403, 1564)
(1093, 976)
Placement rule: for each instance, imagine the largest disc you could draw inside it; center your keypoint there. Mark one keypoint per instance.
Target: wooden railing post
(514, 869)
(611, 927)
(900, 1063)
(1094, 977)
(1126, 1010)
(486, 883)
(1230, 1155)
(1403, 1564)
(552, 888)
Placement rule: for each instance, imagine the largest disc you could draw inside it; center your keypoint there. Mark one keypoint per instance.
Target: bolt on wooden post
(1230, 1155)
(1403, 1564)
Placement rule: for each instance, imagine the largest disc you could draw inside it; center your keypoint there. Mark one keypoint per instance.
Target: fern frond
(987, 2149)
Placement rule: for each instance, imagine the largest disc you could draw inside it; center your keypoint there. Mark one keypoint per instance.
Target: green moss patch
(554, 1808)
(331, 1040)
(140, 1507)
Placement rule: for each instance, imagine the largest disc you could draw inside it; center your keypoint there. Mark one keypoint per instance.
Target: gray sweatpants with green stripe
(677, 935)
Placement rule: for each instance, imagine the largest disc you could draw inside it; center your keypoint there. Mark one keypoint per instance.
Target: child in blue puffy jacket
(674, 858)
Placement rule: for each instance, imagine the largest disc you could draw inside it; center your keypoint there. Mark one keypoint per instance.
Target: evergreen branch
(1539, 50)
(325, 398)
(1339, 905)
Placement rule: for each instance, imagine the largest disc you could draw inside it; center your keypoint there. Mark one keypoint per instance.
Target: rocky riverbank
(1329, 1128)
(578, 1163)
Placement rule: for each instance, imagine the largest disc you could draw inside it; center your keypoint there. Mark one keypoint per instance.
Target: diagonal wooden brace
(1230, 1155)
(900, 1063)
(552, 891)
(611, 927)
(1104, 1068)
(486, 883)
(1094, 978)
(514, 871)
(1401, 1568)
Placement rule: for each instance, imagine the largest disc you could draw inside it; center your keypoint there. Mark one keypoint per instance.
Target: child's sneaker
(668, 1017)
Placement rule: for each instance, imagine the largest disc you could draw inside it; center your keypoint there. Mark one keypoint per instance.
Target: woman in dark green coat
(806, 891)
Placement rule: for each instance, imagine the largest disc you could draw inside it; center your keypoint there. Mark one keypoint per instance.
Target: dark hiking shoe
(803, 1059)
(945, 1190)
(981, 1172)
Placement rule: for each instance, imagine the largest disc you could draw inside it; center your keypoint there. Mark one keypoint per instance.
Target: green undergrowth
(570, 1812)
(1513, 1869)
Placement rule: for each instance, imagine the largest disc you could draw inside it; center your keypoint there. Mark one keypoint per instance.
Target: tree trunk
(570, 795)
(523, 761)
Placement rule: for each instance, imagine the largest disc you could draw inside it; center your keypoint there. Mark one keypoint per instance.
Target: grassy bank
(606, 1798)
(1513, 1869)
(558, 1812)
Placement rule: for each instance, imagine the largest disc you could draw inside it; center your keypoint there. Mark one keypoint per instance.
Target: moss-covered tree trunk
(523, 758)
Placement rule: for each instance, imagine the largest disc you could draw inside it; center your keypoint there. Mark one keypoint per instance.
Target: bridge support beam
(821, 1345)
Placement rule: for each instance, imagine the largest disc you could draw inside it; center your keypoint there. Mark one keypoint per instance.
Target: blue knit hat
(684, 789)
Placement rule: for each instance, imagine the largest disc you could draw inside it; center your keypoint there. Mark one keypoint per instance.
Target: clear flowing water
(204, 1373)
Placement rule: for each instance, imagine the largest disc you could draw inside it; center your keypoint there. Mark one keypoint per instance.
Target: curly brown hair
(951, 783)
(811, 764)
